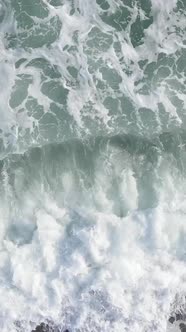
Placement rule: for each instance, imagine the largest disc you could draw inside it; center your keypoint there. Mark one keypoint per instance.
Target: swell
(167, 142)
(75, 171)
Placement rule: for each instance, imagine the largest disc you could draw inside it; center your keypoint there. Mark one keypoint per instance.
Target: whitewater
(92, 165)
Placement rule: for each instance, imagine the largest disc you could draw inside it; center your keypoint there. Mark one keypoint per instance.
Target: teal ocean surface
(92, 165)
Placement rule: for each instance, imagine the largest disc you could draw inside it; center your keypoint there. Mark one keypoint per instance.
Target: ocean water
(92, 164)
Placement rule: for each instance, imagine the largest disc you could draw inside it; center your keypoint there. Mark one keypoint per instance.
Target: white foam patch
(83, 266)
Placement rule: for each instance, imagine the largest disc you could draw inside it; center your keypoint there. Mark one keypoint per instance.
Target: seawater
(92, 164)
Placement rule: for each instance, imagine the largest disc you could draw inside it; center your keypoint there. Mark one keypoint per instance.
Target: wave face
(92, 164)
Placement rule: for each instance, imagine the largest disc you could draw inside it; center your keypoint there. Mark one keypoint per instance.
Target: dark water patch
(43, 327)
(20, 90)
(182, 327)
(47, 69)
(35, 36)
(119, 20)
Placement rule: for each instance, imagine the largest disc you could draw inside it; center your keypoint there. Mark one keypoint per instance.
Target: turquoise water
(92, 164)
